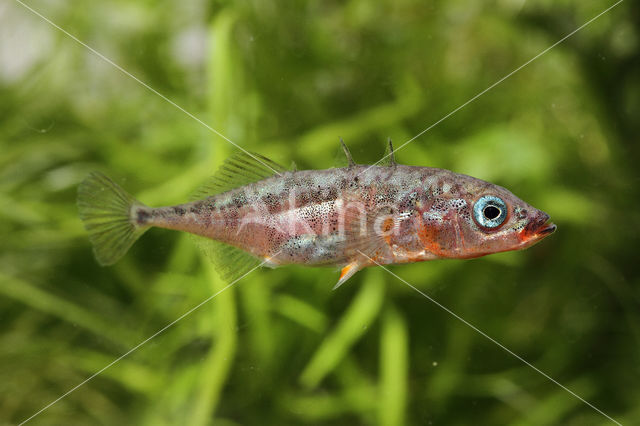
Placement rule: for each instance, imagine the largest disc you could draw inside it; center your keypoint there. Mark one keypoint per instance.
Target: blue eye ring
(489, 211)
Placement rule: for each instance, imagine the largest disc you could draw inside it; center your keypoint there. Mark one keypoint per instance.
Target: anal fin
(230, 262)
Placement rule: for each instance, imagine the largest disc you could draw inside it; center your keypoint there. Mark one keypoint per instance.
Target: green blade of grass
(300, 312)
(393, 369)
(48, 303)
(352, 326)
(216, 367)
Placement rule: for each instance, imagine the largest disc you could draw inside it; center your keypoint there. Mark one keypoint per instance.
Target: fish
(254, 212)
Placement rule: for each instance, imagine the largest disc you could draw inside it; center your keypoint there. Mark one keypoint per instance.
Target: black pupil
(491, 212)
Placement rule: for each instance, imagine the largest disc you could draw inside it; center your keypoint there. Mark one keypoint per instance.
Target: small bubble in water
(434, 363)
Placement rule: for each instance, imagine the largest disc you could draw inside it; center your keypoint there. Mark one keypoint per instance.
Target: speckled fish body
(357, 216)
(307, 217)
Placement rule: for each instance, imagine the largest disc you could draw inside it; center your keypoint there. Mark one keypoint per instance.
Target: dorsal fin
(389, 158)
(347, 153)
(242, 168)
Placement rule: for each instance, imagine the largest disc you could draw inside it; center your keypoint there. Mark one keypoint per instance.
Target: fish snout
(539, 226)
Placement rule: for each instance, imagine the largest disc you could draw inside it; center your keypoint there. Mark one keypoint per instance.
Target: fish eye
(489, 211)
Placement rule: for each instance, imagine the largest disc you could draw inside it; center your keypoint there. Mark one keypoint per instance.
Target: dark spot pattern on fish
(142, 216)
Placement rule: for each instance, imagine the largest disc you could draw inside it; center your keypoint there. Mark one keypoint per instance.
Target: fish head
(467, 217)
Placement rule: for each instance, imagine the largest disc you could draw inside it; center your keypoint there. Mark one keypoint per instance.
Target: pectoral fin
(347, 272)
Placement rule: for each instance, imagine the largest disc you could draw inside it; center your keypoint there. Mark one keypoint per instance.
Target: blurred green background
(287, 79)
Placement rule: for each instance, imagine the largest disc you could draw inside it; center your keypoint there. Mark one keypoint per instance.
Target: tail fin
(106, 211)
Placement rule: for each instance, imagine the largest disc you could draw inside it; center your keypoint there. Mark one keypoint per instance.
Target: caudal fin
(106, 211)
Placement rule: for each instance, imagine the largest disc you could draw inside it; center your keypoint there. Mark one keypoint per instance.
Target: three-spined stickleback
(350, 217)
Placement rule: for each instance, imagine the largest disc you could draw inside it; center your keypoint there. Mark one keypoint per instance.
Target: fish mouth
(539, 228)
(548, 228)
